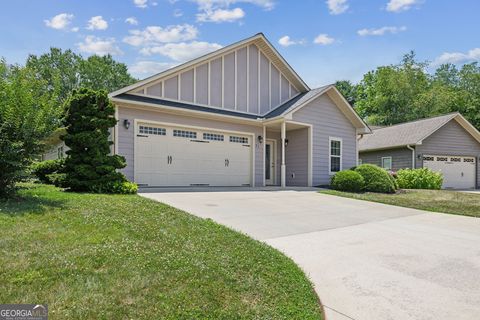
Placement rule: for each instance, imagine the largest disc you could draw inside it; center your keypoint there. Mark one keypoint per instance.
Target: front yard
(126, 257)
(431, 200)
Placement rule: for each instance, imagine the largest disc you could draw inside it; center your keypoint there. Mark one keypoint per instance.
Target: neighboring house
(448, 144)
(56, 148)
(240, 116)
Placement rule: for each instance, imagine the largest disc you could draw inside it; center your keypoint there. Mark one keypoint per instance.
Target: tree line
(408, 91)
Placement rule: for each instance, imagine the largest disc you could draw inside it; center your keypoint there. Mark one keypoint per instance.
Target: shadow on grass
(21, 204)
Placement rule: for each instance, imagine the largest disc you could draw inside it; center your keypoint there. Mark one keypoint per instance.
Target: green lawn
(432, 200)
(126, 257)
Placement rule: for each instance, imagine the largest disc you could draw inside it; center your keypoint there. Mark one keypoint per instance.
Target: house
(448, 144)
(239, 116)
(55, 147)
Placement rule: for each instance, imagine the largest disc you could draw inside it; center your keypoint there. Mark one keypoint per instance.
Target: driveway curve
(367, 260)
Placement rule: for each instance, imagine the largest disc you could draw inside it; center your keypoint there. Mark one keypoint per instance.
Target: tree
(28, 114)
(89, 165)
(348, 90)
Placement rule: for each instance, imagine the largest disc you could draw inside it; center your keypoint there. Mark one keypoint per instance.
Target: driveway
(366, 260)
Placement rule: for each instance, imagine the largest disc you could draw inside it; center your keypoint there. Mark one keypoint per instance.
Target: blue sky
(323, 40)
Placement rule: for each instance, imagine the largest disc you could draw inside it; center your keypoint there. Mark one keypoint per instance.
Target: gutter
(413, 155)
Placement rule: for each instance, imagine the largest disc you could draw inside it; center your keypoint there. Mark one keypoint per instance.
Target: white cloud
(221, 15)
(214, 4)
(132, 20)
(153, 35)
(337, 6)
(75, 29)
(380, 31)
(286, 41)
(99, 46)
(324, 39)
(182, 51)
(140, 3)
(149, 67)
(458, 57)
(97, 23)
(401, 5)
(60, 21)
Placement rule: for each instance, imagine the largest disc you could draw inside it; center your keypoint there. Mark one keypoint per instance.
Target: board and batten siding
(328, 121)
(242, 79)
(451, 140)
(401, 157)
(126, 136)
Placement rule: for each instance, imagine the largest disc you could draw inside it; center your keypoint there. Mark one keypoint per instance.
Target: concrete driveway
(366, 260)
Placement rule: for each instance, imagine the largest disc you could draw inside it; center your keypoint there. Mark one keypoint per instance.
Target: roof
(258, 39)
(295, 102)
(411, 133)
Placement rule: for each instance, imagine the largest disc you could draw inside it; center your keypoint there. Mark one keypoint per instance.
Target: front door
(270, 163)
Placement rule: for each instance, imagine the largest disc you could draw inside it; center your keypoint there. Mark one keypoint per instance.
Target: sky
(323, 40)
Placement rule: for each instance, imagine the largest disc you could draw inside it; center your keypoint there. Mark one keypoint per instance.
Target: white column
(283, 167)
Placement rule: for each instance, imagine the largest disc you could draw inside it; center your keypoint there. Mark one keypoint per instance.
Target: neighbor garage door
(179, 156)
(458, 172)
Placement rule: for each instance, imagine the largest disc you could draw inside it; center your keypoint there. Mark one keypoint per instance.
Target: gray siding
(328, 121)
(275, 87)
(155, 90)
(285, 89)
(451, 140)
(186, 86)
(126, 137)
(216, 82)
(296, 158)
(201, 83)
(264, 84)
(242, 80)
(171, 88)
(229, 81)
(401, 157)
(253, 80)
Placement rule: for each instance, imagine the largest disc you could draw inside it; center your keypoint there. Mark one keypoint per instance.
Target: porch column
(283, 167)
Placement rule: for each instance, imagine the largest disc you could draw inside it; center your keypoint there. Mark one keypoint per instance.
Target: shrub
(57, 179)
(42, 169)
(419, 179)
(348, 180)
(376, 179)
(123, 187)
(89, 165)
(393, 177)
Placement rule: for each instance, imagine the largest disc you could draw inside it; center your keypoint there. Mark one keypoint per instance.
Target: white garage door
(458, 172)
(178, 156)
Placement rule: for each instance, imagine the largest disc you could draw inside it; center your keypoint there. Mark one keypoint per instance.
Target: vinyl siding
(451, 140)
(201, 84)
(126, 137)
(401, 157)
(328, 121)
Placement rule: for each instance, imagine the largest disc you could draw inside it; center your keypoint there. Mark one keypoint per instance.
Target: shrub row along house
(448, 144)
(241, 116)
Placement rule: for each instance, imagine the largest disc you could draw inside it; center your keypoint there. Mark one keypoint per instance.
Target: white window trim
(391, 163)
(330, 139)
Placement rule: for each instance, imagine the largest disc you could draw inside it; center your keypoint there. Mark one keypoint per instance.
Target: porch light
(286, 142)
(126, 124)
(260, 139)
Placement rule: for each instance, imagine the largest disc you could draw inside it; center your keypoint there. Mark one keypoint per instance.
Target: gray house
(240, 116)
(448, 144)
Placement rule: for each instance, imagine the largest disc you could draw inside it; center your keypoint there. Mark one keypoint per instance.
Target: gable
(248, 77)
(451, 138)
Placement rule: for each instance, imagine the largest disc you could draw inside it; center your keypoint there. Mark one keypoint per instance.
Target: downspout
(413, 155)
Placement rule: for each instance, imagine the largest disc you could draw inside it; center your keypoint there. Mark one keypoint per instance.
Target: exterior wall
(401, 157)
(296, 157)
(242, 79)
(52, 153)
(126, 137)
(451, 140)
(328, 121)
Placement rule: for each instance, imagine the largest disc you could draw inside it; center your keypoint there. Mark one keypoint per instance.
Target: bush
(376, 179)
(42, 169)
(419, 179)
(124, 187)
(348, 180)
(57, 179)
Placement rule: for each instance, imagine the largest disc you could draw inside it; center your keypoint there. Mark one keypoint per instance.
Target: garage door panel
(458, 171)
(197, 157)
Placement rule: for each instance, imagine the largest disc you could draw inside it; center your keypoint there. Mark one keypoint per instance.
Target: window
(152, 130)
(335, 155)
(185, 134)
(387, 163)
(213, 136)
(235, 139)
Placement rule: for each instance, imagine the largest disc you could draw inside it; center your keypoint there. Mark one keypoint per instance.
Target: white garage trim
(170, 124)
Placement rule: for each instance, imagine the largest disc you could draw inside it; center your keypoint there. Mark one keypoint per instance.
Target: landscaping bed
(123, 256)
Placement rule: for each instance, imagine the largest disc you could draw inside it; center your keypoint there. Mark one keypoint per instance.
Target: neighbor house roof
(411, 133)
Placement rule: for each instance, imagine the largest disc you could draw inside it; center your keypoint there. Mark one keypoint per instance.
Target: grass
(123, 256)
(431, 200)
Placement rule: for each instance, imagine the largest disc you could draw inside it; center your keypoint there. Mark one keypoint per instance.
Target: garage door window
(152, 130)
(213, 136)
(387, 163)
(185, 134)
(335, 155)
(238, 139)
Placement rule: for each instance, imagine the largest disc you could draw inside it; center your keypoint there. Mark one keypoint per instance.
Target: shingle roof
(408, 133)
